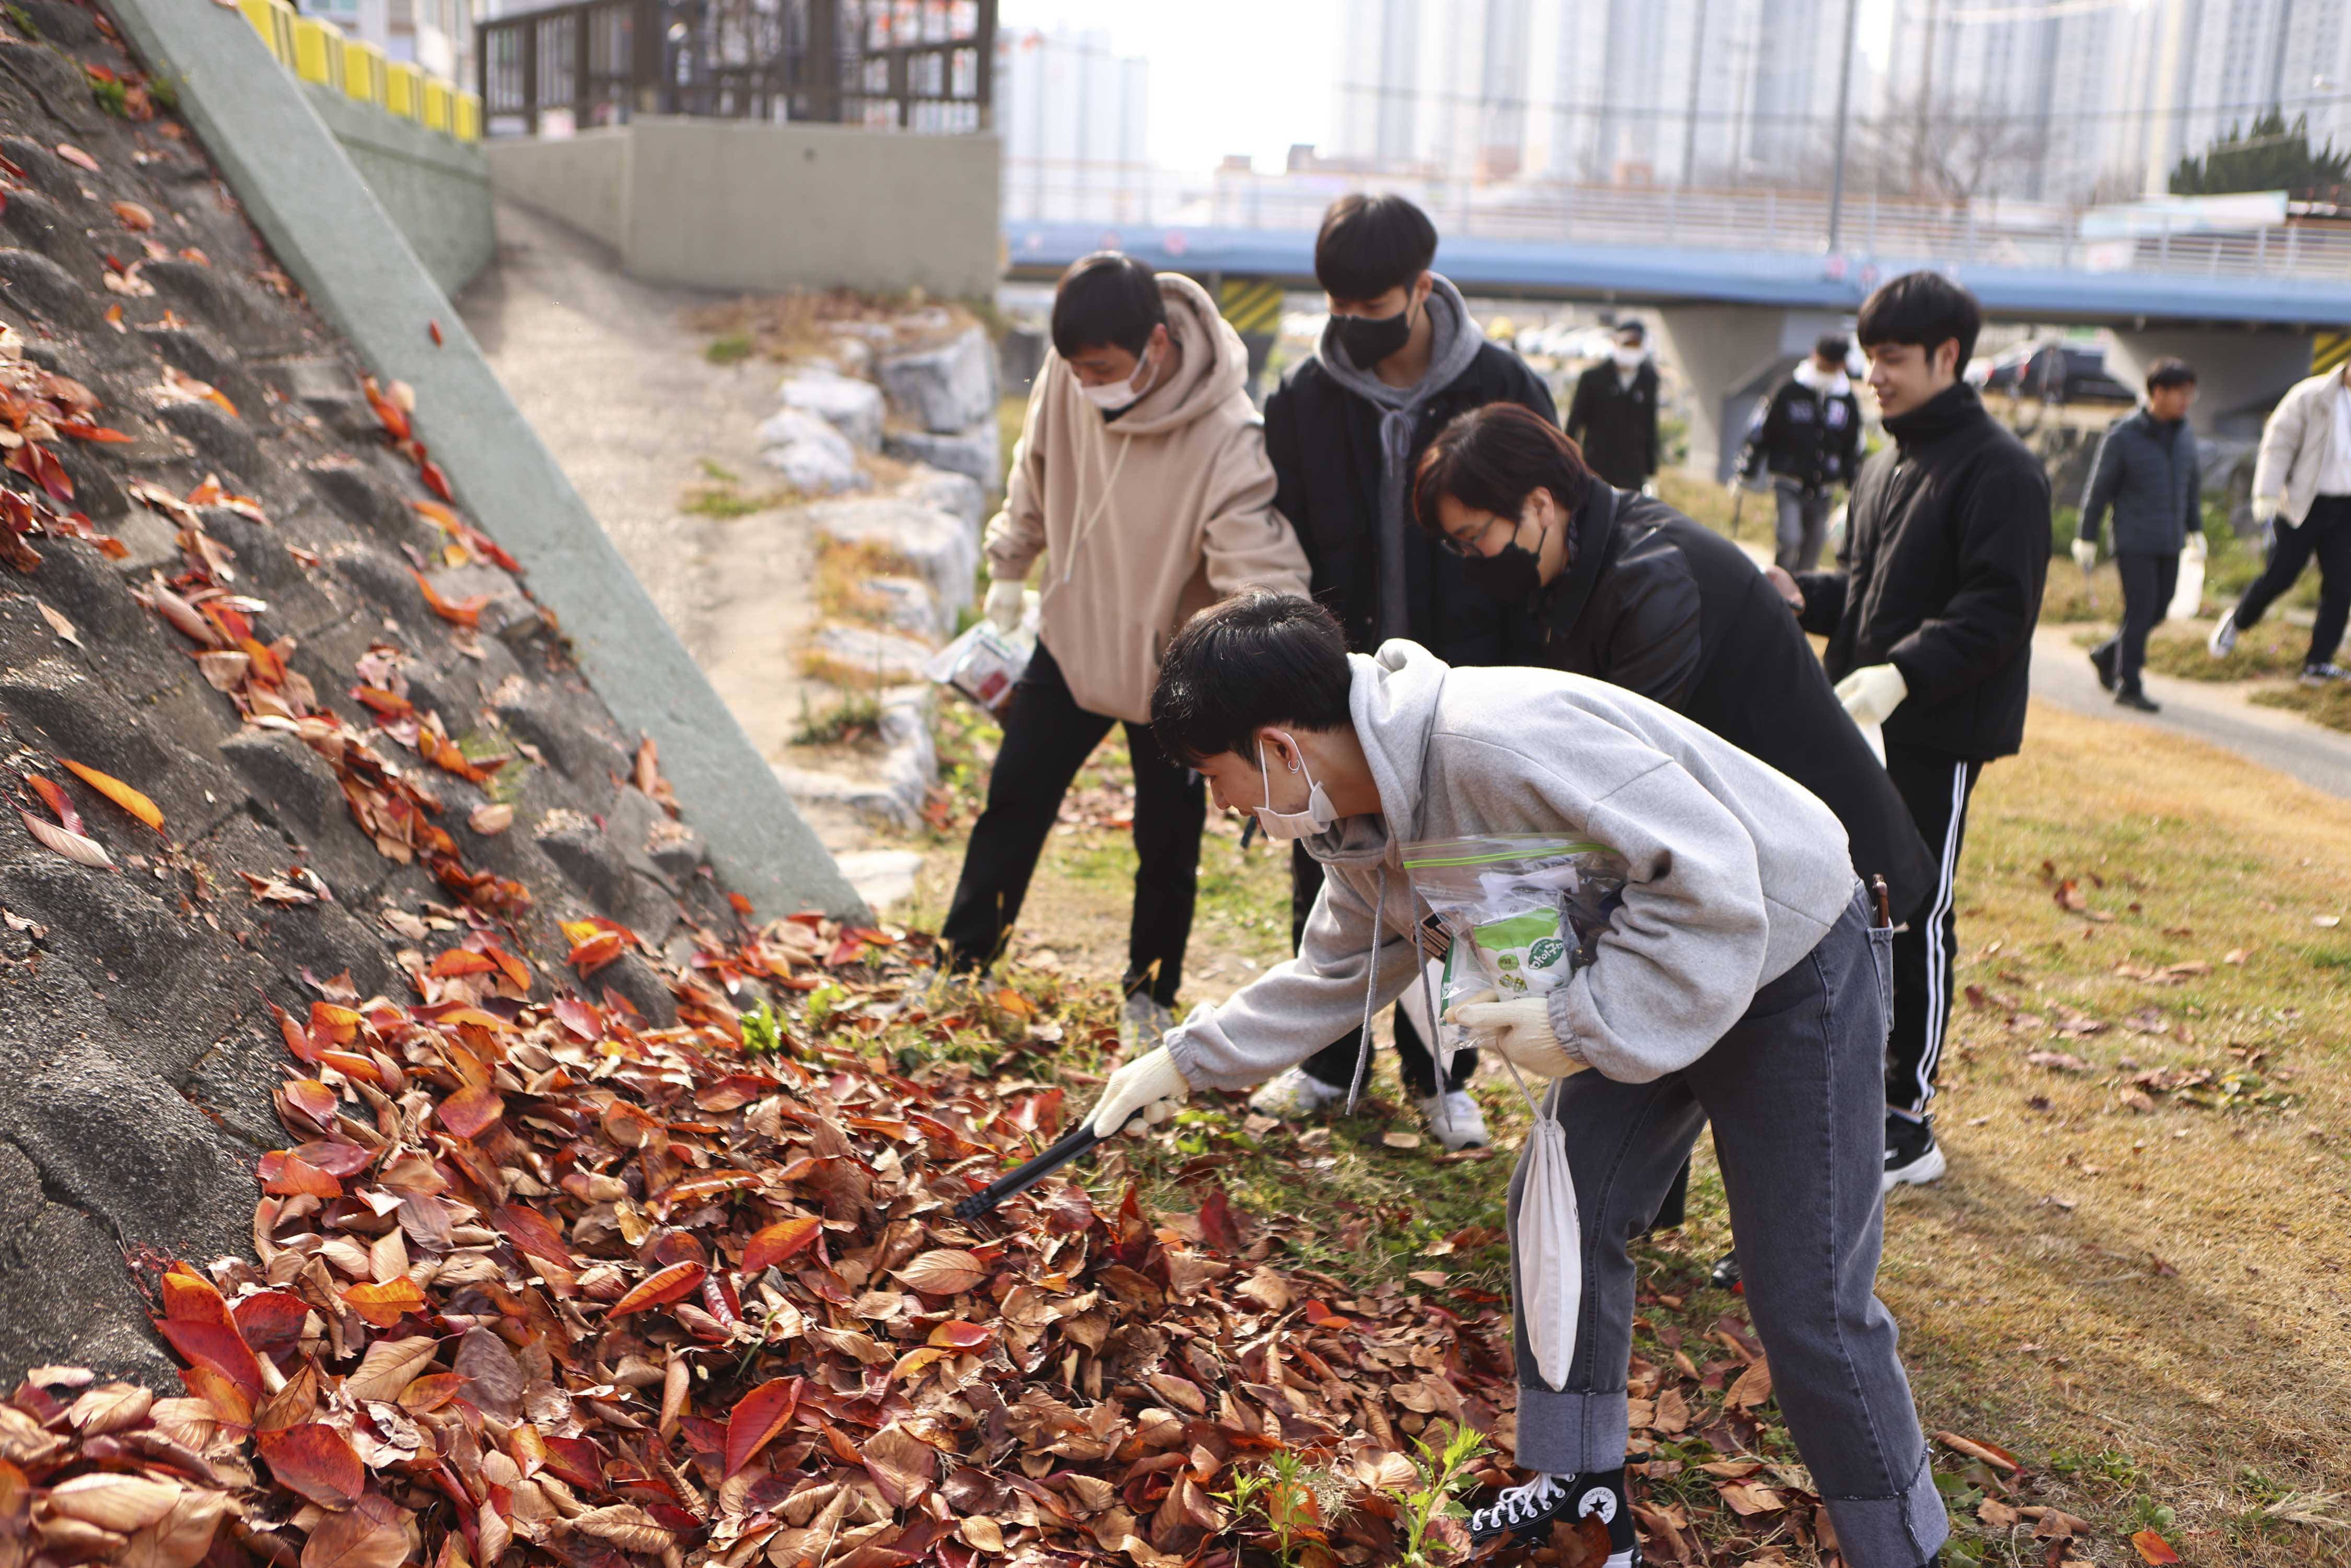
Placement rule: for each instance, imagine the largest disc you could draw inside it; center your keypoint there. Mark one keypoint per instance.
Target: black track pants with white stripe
(1935, 785)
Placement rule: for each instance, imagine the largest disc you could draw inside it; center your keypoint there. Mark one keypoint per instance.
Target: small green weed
(1442, 1472)
(856, 717)
(1294, 1501)
(762, 1030)
(718, 471)
(23, 21)
(112, 96)
(731, 350)
(726, 503)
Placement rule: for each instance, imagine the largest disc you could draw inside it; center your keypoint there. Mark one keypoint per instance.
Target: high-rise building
(1073, 114)
(1375, 101)
(1433, 86)
(2238, 59)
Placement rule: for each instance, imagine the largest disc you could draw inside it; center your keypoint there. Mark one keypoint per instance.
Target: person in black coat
(1807, 435)
(1399, 359)
(1928, 615)
(2147, 474)
(1613, 417)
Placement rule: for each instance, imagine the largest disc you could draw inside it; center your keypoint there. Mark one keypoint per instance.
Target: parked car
(2054, 372)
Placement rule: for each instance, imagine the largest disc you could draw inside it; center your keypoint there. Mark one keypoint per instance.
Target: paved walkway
(2211, 711)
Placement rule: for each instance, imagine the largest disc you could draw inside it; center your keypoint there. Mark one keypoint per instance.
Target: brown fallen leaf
(59, 624)
(491, 819)
(77, 157)
(116, 791)
(944, 1272)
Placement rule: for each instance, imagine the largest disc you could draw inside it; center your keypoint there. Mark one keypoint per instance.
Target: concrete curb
(306, 197)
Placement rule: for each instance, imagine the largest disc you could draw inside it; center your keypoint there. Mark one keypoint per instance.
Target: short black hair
(1923, 308)
(1493, 458)
(1632, 327)
(2169, 373)
(1106, 298)
(1833, 345)
(1369, 245)
(1254, 659)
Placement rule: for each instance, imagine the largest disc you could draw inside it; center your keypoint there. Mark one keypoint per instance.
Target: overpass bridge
(1743, 280)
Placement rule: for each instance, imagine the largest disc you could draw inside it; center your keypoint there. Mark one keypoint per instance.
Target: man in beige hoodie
(1141, 477)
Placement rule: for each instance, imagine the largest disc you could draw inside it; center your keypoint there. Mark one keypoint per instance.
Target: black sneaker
(1523, 1516)
(1726, 1277)
(2132, 697)
(2102, 659)
(1912, 1155)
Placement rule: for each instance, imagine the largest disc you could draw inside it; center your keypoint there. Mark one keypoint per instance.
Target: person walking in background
(1930, 616)
(1344, 431)
(1141, 474)
(1808, 438)
(2148, 475)
(2302, 494)
(1613, 414)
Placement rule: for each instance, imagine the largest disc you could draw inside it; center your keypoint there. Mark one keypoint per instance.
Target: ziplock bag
(1522, 912)
(984, 664)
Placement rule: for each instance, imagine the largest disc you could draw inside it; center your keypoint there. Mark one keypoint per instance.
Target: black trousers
(1935, 785)
(2149, 579)
(2325, 533)
(1047, 738)
(1335, 1064)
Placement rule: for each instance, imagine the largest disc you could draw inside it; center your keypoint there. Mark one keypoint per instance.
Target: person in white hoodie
(1141, 477)
(2302, 494)
(1741, 978)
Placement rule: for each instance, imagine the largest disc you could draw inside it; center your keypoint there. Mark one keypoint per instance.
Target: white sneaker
(1143, 1022)
(2323, 674)
(2224, 635)
(1295, 1095)
(1455, 1120)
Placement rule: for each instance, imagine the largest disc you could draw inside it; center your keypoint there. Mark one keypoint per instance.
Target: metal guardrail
(2043, 236)
(317, 52)
(889, 65)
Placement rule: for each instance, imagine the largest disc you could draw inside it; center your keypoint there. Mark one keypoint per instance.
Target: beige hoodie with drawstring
(1145, 519)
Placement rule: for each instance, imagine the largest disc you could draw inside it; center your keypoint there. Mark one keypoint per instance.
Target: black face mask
(1369, 339)
(1512, 577)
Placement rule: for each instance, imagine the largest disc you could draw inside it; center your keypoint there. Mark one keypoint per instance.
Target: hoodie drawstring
(1086, 528)
(1371, 993)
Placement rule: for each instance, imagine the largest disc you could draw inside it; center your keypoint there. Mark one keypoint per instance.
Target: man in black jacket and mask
(1930, 616)
(1613, 414)
(1400, 358)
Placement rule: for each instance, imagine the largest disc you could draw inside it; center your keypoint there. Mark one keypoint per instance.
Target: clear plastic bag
(1522, 911)
(984, 664)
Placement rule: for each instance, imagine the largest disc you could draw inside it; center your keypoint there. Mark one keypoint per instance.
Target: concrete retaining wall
(740, 205)
(435, 189)
(306, 196)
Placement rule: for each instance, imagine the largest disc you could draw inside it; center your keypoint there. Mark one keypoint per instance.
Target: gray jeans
(1804, 528)
(1796, 1094)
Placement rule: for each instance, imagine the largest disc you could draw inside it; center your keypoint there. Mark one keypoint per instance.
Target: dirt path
(623, 395)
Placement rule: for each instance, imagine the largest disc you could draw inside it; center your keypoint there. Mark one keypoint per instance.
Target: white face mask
(1112, 396)
(1629, 358)
(1316, 819)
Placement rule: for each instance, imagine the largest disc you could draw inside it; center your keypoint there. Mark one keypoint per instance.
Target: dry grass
(804, 324)
(2274, 648)
(2328, 704)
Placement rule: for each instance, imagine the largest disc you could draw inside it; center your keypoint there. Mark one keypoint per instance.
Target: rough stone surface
(849, 405)
(870, 653)
(976, 453)
(136, 1043)
(945, 389)
(813, 457)
(959, 495)
(936, 544)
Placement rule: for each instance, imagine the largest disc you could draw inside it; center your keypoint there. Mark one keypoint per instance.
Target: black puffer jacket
(2147, 472)
(1616, 424)
(1324, 442)
(1947, 548)
(1659, 605)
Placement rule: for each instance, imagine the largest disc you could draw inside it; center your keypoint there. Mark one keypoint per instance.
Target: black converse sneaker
(1912, 1155)
(1523, 1516)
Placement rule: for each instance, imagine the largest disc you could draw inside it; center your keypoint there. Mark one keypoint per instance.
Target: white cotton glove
(1519, 1030)
(2266, 509)
(1007, 601)
(1871, 693)
(1151, 1083)
(2198, 546)
(2085, 555)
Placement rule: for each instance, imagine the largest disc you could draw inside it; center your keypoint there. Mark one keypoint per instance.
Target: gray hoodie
(1736, 871)
(1453, 343)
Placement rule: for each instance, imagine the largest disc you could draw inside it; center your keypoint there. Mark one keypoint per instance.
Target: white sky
(1249, 76)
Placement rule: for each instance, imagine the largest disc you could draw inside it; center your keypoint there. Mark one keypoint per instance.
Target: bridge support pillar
(1732, 356)
(2240, 372)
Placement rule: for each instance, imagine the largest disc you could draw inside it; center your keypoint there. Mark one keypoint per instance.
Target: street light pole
(1845, 103)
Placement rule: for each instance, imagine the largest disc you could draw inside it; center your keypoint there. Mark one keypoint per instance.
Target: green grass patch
(2329, 704)
(856, 717)
(732, 349)
(2267, 651)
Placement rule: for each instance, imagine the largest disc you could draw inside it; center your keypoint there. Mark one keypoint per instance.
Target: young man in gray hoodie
(1742, 980)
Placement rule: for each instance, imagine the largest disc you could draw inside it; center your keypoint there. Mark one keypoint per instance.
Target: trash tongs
(1019, 1179)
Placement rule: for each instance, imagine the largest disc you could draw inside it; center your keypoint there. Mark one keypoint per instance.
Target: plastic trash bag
(2187, 597)
(1521, 913)
(984, 664)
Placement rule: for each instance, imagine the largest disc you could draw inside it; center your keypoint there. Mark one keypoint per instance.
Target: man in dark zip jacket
(1808, 436)
(2147, 472)
(1612, 416)
(1399, 359)
(1930, 616)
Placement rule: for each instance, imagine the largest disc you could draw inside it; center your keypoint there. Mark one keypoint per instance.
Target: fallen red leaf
(660, 1288)
(779, 1241)
(314, 1460)
(757, 1418)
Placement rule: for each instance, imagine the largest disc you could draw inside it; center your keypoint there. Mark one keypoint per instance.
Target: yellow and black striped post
(2329, 351)
(1254, 308)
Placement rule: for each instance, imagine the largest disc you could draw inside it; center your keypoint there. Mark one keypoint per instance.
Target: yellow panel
(2329, 351)
(436, 104)
(282, 17)
(317, 52)
(262, 17)
(403, 89)
(362, 64)
(1250, 305)
(469, 117)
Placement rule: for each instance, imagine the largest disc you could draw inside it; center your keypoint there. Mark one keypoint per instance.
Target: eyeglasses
(1461, 548)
